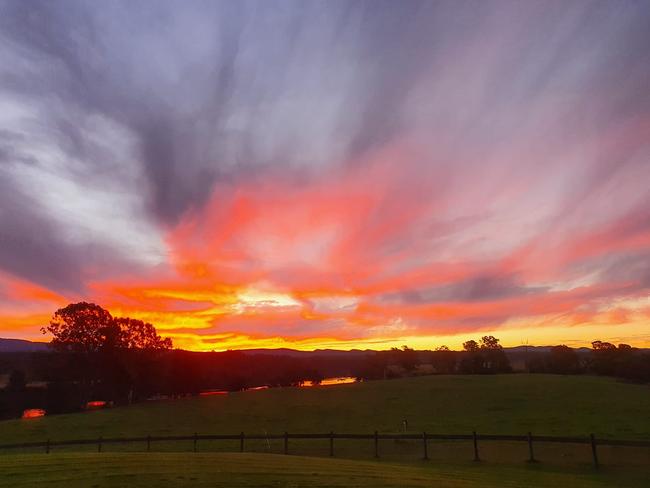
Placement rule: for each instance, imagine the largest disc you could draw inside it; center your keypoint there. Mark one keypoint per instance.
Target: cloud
(390, 169)
(479, 287)
(31, 247)
(213, 91)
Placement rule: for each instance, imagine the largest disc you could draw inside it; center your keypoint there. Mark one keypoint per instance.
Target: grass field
(268, 470)
(510, 404)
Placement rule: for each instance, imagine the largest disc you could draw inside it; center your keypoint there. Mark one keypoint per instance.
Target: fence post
(593, 450)
(99, 444)
(241, 442)
(476, 458)
(376, 444)
(286, 442)
(531, 458)
(331, 443)
(47, 447)
(195, 435)
(425, 446)
(148, 443)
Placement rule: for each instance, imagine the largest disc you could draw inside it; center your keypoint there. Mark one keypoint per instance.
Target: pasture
(508, 404)
(504, 404)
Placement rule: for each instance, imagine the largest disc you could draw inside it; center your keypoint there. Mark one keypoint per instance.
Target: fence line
(425, 437)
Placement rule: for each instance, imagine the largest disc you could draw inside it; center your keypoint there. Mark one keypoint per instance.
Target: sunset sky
(329, 174)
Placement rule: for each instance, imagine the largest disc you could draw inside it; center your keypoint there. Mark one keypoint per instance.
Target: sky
(328, 174)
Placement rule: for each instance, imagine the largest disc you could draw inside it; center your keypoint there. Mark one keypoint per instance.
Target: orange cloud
(362, 256)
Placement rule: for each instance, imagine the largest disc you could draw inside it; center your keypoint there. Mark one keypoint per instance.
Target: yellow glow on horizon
(260, 298)
(577, 336)
(574, 336)
(218, 317)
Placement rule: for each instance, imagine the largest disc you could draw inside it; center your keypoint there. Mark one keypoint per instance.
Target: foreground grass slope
(508, 404)
(262, 470)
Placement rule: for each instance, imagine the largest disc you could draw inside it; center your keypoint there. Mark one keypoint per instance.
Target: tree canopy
(490, 342)
(470, 346)
(136, 334)
(87, 327)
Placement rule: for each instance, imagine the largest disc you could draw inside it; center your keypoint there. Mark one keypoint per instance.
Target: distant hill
(19, 345)
(317, 352)
(510, 351)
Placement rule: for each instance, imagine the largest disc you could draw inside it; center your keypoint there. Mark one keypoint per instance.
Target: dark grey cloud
(399, 41)
(482, 287)
(195, 82)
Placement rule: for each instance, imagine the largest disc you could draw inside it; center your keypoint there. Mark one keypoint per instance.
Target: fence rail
(424, 437)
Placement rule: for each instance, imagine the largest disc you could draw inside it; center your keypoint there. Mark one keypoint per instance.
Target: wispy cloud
(310, 172)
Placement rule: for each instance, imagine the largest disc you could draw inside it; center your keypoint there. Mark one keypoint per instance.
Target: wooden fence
(375, 437)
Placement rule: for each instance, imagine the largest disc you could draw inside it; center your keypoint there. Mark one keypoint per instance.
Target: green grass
(508, 404)
(72, 470)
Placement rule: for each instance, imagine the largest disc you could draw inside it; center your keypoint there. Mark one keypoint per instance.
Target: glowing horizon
(350, 175)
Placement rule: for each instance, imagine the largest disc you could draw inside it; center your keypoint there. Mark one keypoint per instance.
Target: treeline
(97, 357)
(488, 357)
(67, 380)
(484, 357)
(606, 359)
(80, 370)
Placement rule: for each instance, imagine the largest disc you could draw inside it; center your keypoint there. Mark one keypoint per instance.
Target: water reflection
(341, 380)
(32, 413)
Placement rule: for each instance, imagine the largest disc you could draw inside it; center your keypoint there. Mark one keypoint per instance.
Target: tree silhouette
(443, 360)
(113, 355)
(88, 328)
(604, 357)
(405, 357)
(81, 327)
(490, 342)
(563, 360)
(136, 334)
(472, 363)
(485, 357)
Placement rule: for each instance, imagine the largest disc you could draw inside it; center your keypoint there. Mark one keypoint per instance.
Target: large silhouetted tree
(112, 353)
(87, 327)
(81, 327)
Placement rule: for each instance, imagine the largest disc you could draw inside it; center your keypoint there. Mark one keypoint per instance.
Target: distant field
(267, 470)
(508, 404)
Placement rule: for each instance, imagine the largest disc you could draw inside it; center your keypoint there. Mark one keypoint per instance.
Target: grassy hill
(167, 470)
